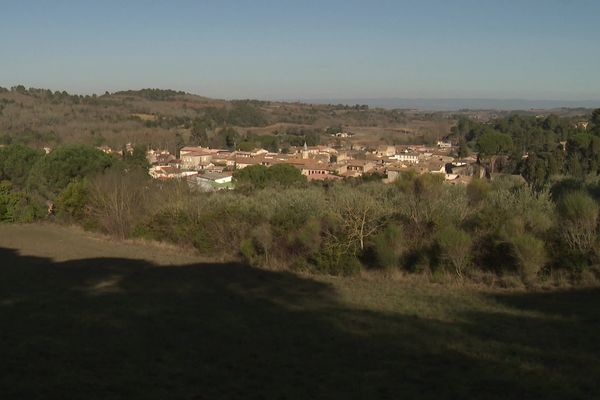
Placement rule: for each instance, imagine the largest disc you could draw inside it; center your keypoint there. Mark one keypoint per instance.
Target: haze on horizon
(428, 49)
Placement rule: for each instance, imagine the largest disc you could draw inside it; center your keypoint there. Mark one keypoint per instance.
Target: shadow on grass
(126, 329)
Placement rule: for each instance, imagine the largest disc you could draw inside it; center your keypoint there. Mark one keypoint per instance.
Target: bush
(455, 248)
(388, 246)
(305, 241)
(579, 219)
(531, 256)
(477, 191)
(334, 260)
(248, 251)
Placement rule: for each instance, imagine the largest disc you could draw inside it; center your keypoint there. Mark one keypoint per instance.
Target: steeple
(305, 151)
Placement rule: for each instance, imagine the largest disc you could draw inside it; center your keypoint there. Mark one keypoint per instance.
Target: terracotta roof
(323, 177)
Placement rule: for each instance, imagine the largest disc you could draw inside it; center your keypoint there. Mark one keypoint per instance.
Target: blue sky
(544, 49)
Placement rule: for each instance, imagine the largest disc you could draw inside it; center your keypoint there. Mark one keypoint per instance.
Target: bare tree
(359, 215)
(119, 199)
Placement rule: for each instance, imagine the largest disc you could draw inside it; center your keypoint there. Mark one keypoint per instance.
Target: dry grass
(84, 317)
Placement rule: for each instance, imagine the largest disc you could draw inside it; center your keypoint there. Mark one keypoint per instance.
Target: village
(212, 169)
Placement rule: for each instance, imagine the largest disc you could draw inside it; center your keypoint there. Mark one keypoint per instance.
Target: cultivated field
(82, 317)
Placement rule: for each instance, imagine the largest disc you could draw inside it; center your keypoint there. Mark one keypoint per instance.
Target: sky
(502, 49)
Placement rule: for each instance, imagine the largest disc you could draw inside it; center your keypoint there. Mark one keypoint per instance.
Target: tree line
(537, 148)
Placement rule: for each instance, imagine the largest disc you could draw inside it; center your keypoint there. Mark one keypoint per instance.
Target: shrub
(579, 219)
(305, 241)
(333, 260)
(388, 247)
(248, 251)
(531, 256)
(477, 191)
(455, 248)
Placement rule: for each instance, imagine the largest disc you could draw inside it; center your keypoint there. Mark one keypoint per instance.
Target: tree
(493, 144)
(535, 171)
(225, 138)
(260, 177)
(199, 132)
(463, 149)
(359, 215)
(16, 206)
(55, 171)
(118, 200)
(72, 201)
(595, 122)
(179, 143)
(16, 162)
(137, 158)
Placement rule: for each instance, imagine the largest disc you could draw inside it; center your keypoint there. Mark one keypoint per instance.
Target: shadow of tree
(124, 329)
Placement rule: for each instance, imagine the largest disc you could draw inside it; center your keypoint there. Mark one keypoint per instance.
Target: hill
(80, 325)
(165, 118)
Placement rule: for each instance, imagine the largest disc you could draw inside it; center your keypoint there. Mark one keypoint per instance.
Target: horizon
(308, 50)
(415, 103)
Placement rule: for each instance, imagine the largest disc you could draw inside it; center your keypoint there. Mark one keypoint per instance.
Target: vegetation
(488, 230)
(537, 148)
(172, 119)
(52, 174)
(191, 329)
(287, 335)
(261, 177)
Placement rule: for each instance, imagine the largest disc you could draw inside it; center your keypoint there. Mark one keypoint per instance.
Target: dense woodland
(537, 148)
(538, 229)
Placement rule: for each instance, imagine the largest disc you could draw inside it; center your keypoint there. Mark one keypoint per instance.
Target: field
(83, 317)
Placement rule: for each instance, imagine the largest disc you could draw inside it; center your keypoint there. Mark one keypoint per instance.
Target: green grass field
(82, 317)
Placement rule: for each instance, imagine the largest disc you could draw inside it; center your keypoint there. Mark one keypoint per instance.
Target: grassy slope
(85, 318)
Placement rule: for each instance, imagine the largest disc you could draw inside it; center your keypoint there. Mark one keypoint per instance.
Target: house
(212, 181)
(199, 149)
(444, 145)
(342, 135)
(243, 162)
(168, 172)
(393, 172)
(406, 156)
(105, 149)
(436, 167)
(385, 151)
(195, 160)
(309, 169)
(325, 177)
(161, 157)
(359, 167)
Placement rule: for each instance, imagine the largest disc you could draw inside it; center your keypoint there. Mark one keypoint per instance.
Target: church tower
(305, 151)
